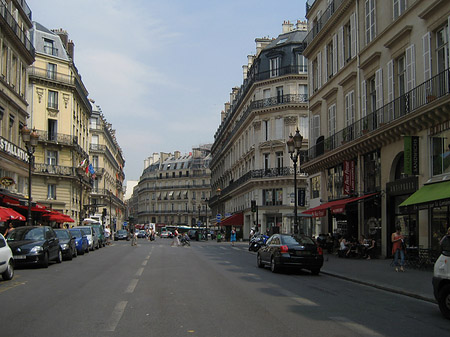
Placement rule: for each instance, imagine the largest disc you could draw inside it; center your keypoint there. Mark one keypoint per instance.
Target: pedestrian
(398, 248)
(9, 227)
(445, 241)
(107, 234)
(233, 237)
(176, 239)
(133, 236)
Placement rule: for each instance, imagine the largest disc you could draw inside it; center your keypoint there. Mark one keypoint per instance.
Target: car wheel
(444, 301)
(273, 265)
(44, 263)
(315, 271)
(75, 253)
(59, 257)
(259, 261)
(70, 257)
(8, 274)
(81, 252)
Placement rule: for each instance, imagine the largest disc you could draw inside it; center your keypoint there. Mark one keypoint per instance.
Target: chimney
(261, 43)
(70, 48)
(177, 154)
(250, 59)
(287, 27)
(302, 25)
(63, 35)
(245, 70)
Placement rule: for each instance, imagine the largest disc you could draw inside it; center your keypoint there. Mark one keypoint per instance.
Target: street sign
(218, 217)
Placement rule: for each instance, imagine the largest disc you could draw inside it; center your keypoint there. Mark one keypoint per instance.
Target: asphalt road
(209, 289)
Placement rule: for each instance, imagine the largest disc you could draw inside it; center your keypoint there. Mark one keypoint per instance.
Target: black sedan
(284, 250)
(34, 245)
(67, 244)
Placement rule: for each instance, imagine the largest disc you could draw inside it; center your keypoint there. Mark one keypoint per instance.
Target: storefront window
(408, 223)
(335, 183)
(315, 187)
(440, 153)
(372, 172)
(439, 223)
(273, 197)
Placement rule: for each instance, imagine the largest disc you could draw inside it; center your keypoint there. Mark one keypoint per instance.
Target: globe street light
(31, 140)
(294, 144)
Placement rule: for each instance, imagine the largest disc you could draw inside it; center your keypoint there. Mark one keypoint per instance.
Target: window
(302, 64)
(52, 130)
(442, 49)
(303, 92)
(94, 123)
(401, 75)
(266, 133)
(399, 8)
(347, 41)
(52, 157)
(266, 161)
(440, 154)
(350, 108)
(315, 128)
(51, 191)
(266, 97)
(273, 197)
(11, 127)
(279, 162)
(52, 99)
(332, 120)
(274, 66)
(372, 95)
(370, 20)
(279, 94)
(49, 47)
(331, 55)
(279, 122)
(51, 71)
(315, 187)
(95, 162)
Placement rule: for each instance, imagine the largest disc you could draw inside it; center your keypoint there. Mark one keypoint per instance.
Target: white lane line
(132, 285)
(139, 272)
(116, 316)
(360, 329)
(299, 300)
(144, 263)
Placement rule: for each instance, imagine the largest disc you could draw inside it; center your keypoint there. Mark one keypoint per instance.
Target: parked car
(67, 244)
(34, 245)
(91, 236)
(121, 234)
(441, 278)
(6, 260)
(141, 234)
(100, 232)
(81, 241)
(284, 250)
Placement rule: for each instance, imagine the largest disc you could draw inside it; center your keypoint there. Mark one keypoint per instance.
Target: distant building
(107, 165)
(174, 189)
(250, 161)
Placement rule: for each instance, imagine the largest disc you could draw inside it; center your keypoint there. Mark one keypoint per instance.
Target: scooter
(256, 242)
(184, 241)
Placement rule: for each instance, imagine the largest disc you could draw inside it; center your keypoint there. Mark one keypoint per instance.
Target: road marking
(358, 328)
(144, 263)
(116, 316)
(10, 285)
(299, 300)
(140, 271)
(132, 285)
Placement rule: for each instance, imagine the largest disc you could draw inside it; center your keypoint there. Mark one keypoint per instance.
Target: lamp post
(206, 215)
(80, 172)
(294, 144)
(218, 192)
(31, 140)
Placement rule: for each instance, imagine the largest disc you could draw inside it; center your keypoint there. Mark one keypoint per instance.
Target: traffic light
(253, 205)
(104, 212)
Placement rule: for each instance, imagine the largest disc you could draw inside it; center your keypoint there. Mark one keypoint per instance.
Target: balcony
(56, 170)
(58, 138)
(20, 34)
(45, 74)
(97, 147)
(25, 8)
(391, 114)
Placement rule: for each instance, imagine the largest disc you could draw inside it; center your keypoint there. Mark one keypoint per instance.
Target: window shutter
(311, 78)
(390, 87)
(379, 87)
(341, 47)
(319, 69)
(353, 34)
(325, 64)
(410, 68)
(335, 54)
(316, 128)
(352, 105)
(363, 99)
(426, 42)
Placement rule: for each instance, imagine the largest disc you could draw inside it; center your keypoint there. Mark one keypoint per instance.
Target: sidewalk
(380, 274)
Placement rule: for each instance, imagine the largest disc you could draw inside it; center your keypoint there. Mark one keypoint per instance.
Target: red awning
(57, 217)
(336, 206)
(10, 214)
(233, 220)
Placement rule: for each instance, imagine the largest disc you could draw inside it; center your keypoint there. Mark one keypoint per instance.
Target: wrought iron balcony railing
(54, 169)
(436, 87)
(20, 34)
(51, 75)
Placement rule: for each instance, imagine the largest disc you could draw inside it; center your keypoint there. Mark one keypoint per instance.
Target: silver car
(6, 260)
(93, 242)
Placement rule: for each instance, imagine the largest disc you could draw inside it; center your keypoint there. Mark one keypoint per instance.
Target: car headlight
(64, 246)
(36, 249)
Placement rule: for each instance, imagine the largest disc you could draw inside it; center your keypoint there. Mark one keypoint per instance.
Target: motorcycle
(256, 242)
(184, 241)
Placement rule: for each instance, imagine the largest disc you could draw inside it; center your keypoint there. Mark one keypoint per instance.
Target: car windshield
(62, 234)
(76, 233)
(19, 234)
(86, 231)
(122, 231)
(297, 240)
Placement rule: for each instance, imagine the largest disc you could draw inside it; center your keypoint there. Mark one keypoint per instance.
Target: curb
(373, 285)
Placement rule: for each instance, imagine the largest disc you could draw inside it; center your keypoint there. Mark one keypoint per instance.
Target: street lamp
(206, 214)
(294, 145)
(31, 140)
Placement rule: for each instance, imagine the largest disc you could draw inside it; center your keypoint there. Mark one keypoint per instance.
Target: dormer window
(49, 47)
(274, 66)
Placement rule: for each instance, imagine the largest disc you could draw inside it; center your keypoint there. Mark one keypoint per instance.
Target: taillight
(284, 249)
(319, 250)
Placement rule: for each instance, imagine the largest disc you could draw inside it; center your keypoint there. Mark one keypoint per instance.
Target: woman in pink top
(397, 248)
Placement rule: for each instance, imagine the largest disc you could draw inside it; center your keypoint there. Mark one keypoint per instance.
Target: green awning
(428, 194)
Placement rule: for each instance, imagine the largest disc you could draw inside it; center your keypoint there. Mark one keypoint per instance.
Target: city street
(207, 289)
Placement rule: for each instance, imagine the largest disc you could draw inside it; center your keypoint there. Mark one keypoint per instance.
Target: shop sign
(12, 150)
(349, 177)
(7, 181)
(301, 197)
(411, 155)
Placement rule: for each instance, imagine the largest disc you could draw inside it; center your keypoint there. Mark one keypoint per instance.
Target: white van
(441, 278)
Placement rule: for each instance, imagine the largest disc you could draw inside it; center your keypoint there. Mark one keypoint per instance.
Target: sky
(161, 71)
